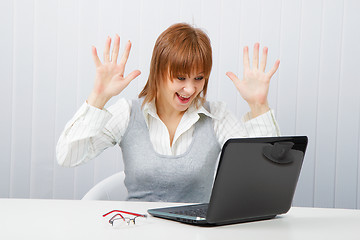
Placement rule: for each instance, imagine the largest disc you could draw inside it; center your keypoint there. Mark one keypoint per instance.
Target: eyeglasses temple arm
(135, 214)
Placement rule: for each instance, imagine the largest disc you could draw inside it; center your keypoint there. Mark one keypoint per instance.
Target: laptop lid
(256, 179)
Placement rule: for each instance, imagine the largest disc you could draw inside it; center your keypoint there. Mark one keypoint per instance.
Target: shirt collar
(149, 109)
(192, 110)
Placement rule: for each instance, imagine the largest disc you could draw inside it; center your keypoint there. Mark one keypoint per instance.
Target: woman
(170, 137)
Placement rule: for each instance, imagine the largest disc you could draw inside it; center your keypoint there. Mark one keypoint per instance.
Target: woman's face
(178, 94)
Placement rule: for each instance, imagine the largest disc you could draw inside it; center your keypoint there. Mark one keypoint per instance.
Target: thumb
(233, 78)
(237, 82)
(131, 76)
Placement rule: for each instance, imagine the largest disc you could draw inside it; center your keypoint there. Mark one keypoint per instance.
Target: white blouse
(92, 130)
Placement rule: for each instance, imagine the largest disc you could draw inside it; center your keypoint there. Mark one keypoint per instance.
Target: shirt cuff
(95, 117)
(264, 125)
(90, 117)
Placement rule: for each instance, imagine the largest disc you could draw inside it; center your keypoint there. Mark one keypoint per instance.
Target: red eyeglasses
(120, 219)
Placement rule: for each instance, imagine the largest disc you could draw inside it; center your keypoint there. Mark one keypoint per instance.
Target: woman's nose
(189, 88)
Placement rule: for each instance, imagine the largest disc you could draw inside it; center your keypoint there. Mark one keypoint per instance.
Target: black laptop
(255, 180)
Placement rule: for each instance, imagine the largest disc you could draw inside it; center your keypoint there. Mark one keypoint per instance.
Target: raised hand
(109, 78)
(254, 87)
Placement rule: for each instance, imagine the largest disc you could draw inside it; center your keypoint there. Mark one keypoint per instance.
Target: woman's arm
(93, 128)
(91, 131)
(227, 125)
(253, 88)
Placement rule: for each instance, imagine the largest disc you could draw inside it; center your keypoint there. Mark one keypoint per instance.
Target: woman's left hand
(254, 87)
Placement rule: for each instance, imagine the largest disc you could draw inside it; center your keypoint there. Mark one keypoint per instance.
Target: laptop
(255, 180)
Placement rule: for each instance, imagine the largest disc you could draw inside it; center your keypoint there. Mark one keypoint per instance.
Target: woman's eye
(181, 78)
(199, 78)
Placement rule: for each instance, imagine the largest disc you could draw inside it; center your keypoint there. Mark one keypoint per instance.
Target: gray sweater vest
(151, 176)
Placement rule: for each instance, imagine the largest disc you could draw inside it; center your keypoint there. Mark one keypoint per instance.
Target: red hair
(179, 51)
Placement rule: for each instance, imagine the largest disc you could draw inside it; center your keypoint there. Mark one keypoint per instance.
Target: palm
(109, 78)
(254, 86)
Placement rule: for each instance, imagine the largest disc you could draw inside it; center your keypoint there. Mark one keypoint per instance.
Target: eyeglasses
(119, 219)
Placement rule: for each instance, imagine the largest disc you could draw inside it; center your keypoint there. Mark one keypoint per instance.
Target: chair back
(111, 188)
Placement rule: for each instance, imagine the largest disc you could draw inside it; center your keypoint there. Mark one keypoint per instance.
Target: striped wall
(47, 72)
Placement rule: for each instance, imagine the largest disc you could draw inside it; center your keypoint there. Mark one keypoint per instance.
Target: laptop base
(199, 221)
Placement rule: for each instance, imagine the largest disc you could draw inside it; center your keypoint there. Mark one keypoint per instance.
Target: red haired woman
(170, 136)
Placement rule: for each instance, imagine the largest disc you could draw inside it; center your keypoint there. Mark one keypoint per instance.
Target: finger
(233, 77)
(246, 59)
(255, 64)
(115, 51)
(274, 68)
(107, 50)
(95, 56)
(131, 76)
(125, 57)
(263, 59)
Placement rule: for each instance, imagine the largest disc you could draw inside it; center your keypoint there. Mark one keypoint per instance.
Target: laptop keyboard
(194, 212)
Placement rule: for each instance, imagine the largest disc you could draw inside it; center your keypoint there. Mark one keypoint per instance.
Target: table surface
(75, 219)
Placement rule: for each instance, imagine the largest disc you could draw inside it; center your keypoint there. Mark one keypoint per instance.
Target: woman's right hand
(109, 79)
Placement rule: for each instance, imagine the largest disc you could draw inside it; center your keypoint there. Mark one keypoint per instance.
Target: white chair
(111, 188)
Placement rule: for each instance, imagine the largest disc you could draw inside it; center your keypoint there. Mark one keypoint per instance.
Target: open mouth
(183, 99)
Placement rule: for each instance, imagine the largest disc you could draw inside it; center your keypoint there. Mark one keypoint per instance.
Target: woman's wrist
(258, 109)
(97, 100)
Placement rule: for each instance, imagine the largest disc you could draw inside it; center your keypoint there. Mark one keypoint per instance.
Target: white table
(71, 219)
